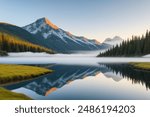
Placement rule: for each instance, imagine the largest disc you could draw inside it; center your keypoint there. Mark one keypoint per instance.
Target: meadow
(14, 73)
(141, 65)
(8, 95)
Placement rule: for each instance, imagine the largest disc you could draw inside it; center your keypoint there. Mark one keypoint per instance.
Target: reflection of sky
(97, 19)
(70, 60)
(95, 87)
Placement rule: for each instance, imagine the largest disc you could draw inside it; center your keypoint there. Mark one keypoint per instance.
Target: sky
(94, 19)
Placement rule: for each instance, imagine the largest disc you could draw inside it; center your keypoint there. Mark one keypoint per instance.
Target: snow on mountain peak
(117, 38)
(42, 25)
(114, 38)
(44, 28)
(69, 34)
(48, 22)
(113, 41)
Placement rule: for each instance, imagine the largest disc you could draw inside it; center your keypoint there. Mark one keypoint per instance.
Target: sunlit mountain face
(50, 24)
(61, 40)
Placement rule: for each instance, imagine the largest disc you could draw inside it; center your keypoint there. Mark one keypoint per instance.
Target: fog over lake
(82, 76)
(75, 59)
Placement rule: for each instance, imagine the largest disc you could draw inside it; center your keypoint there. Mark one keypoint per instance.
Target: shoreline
(144, 66)
(17, 73)
(13, 74)
(9, 95)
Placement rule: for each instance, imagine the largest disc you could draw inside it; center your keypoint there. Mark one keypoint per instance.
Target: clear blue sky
(97, 19)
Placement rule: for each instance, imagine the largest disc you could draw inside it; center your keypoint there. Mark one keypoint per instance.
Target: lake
(77, 82)
(77, 77)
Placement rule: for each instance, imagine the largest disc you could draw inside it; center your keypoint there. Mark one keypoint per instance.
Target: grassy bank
(8, 95)
(16, 73)
(141, 65)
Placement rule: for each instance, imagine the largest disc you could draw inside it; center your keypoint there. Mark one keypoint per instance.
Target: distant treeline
(10, 43)
(137, 46)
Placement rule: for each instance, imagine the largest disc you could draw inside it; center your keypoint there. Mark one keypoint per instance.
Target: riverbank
(8, 95)
(141, 65)
(15, 73)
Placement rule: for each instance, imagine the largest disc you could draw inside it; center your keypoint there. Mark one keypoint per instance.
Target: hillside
(15, 39)
(60, 40)
(137, 46)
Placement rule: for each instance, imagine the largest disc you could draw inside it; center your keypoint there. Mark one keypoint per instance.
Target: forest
(137, 46)
(10, 43)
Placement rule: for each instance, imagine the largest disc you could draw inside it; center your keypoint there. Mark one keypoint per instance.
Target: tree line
(137, 46)
(10, 43)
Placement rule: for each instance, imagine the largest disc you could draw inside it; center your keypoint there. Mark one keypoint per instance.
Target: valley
(44, 62)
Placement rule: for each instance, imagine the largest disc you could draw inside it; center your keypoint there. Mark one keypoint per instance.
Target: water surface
(97, 82)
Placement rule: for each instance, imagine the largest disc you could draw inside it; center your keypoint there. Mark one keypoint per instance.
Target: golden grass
(14, 73)
(8, 95)
(141, 65)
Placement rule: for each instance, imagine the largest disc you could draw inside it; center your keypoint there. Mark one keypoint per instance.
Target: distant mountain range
(47, 35)
(60, 40)
(113, 41)
(136, 46)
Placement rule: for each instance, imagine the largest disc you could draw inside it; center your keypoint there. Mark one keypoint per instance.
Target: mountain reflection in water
(65, 75)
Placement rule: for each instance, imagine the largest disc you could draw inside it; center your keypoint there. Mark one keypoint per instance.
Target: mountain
(60, 40)
(63, 75)
(136, 46)
(16, 39)
(113, 41)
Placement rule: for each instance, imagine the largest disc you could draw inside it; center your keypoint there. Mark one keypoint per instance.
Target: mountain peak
(59, 39)
(48, 22)
(113, 41)
(117, 38)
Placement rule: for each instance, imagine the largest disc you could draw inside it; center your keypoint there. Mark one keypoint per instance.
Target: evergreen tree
(10, 43)
(137, 46)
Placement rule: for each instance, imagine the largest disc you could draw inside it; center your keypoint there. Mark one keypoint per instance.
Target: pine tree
(136, 46)
(10, 43)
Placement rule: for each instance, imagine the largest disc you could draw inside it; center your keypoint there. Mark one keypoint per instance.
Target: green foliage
(10, 43)
(137, 46)
(14, 73)
(8, 95)
(141, 65)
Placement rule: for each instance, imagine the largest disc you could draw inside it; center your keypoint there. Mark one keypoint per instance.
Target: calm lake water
(103, 81)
